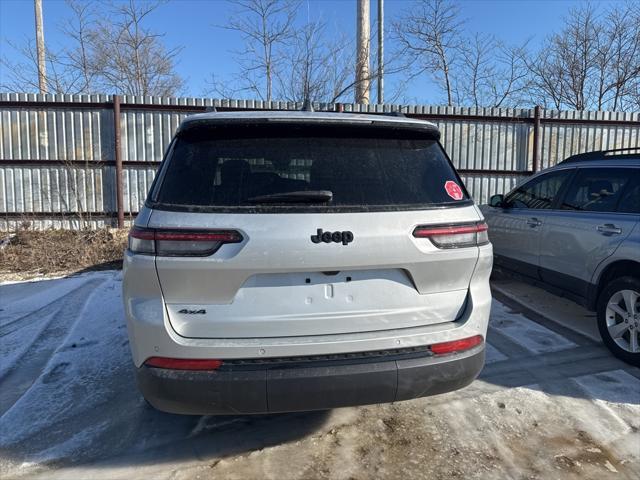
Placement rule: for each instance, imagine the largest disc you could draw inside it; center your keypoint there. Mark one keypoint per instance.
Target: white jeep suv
(295, 261)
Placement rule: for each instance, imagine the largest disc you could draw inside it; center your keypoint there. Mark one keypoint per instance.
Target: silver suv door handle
(534, 222)
(609, 229)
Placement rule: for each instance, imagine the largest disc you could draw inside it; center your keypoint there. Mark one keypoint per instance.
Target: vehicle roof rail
(603, 154)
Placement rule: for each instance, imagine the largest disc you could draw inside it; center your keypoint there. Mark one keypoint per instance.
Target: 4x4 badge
(336, 237)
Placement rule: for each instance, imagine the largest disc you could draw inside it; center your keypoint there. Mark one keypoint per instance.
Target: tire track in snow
(28, 367)
(18, 310)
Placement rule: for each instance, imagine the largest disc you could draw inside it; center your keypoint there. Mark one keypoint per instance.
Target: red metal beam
(536, 139)
(508, 173)
(203, 108)
(77, 163)
(118, 155)
(61, 215)
(133, 163)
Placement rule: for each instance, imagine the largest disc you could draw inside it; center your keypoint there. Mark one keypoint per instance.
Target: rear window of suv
(244, 168)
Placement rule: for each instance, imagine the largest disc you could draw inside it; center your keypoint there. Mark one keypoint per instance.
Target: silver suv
(295, 261)
(576, 229)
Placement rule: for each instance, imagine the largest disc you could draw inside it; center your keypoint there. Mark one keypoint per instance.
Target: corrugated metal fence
(60, 157)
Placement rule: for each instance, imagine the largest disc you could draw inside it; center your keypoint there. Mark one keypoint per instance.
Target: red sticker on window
(453, 190)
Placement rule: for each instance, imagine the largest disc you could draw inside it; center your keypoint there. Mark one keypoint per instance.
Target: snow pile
(87, 365)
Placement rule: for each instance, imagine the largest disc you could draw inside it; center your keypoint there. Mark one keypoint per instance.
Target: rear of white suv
(297, 261)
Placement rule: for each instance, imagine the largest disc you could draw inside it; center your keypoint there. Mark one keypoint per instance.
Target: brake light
(454, 236)
(183, 243)
(183, 363)
(457, 345)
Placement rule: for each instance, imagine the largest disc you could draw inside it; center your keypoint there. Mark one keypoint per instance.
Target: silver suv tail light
(454, 236)
(180, 243)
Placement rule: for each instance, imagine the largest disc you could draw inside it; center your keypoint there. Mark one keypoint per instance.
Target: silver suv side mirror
(497, 201)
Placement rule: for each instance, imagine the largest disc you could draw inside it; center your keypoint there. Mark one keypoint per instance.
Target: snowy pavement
(551, 403)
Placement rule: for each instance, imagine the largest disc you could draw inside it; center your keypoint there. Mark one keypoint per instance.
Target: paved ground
(542, 304)
(551, 403)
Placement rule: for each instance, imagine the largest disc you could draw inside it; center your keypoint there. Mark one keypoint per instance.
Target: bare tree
(78, 60)
(490, 73)
(281, 59)
(118, 55)
(428, 35)
(560, 70)
(317, 67)
(478, 60)
(266, 27)
(546, 86)
(633, 96)
(22, 74)
(592, 63)
(618, 59)
(130, 57)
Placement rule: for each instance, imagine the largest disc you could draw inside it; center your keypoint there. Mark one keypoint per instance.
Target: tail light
(180, 243)
(454, 236)
(183, 363)
(456, 345)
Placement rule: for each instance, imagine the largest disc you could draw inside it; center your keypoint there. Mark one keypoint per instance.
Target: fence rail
(88, 160)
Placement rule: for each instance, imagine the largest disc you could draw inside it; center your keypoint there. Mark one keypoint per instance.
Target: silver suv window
(630, 198)
(600, 190)
(539, 193)
(265, 168)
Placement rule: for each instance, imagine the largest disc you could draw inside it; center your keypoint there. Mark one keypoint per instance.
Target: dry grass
(32, 253)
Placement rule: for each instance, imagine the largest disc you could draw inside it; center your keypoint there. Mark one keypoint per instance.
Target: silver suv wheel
(623, 319)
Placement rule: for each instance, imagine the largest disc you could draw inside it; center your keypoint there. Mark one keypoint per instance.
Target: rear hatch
(299, 229)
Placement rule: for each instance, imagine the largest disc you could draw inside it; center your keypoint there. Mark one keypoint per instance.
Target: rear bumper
(286, 387)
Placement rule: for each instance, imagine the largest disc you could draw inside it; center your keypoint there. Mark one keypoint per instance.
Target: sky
(208, 48)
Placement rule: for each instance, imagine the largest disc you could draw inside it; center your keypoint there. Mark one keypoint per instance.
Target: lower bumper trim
(269, 389)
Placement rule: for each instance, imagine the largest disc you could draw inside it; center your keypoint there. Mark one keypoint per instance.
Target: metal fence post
(118, 159)
(536, 138)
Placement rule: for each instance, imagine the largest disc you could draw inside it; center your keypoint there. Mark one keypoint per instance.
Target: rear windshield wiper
(303, 196)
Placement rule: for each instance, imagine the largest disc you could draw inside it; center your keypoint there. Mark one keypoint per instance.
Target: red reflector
(183, 363)
(227, 236)
(449, 230)
(456, 345)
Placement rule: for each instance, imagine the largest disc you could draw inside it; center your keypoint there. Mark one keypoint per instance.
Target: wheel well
(617, 269)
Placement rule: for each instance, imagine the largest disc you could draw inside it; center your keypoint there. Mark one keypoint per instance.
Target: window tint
(388, 171)
(540, 192)
(596, 189)
(630, 198)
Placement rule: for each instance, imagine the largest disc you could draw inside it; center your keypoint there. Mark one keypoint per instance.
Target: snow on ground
(545, 406)
(492, 354)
